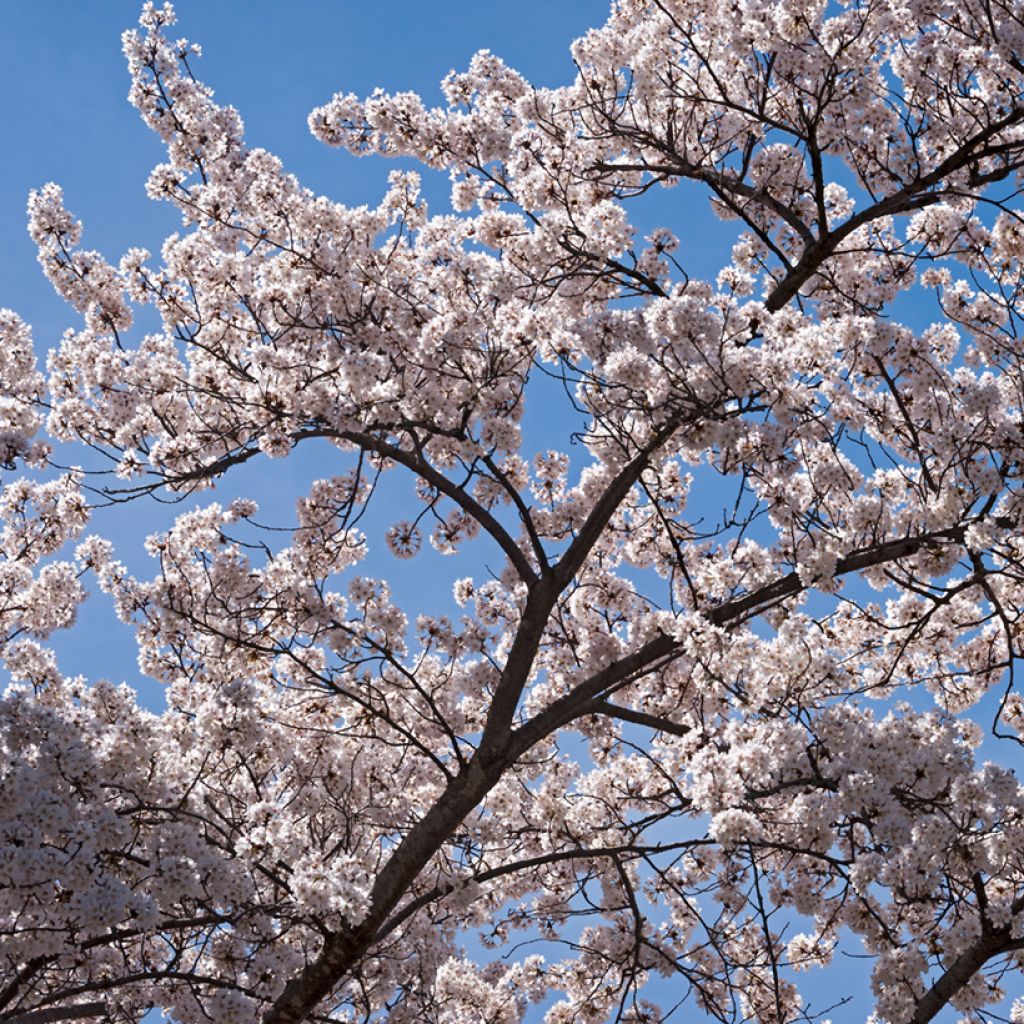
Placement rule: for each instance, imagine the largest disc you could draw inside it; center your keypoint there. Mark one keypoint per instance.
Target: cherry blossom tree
(649, 759)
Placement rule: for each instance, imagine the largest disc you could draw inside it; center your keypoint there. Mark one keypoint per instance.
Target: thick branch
(56, 1013)
(575, 703)
(959, 973)
(759, 600)
(992, 942)
(343, 948)
(655, 722)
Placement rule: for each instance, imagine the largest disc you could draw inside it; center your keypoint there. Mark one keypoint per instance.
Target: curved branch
(913, 196)
(540, 860)
(440, 482)
(960, 972)
(56, 1013)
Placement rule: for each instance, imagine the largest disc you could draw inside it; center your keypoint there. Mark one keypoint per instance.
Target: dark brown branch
(655, 722)
(57, 1013)
(914, 196)
(958, 974)
(441, 483)
(765, 597)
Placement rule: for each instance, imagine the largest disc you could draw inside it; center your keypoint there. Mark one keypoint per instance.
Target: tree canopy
(651, 759)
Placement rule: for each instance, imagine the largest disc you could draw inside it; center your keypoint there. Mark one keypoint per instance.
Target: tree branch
(57, 1013)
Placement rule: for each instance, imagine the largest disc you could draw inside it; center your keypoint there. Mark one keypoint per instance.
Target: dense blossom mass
(650, 759)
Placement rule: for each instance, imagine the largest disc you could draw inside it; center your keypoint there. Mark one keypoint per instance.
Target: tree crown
(687, 754)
